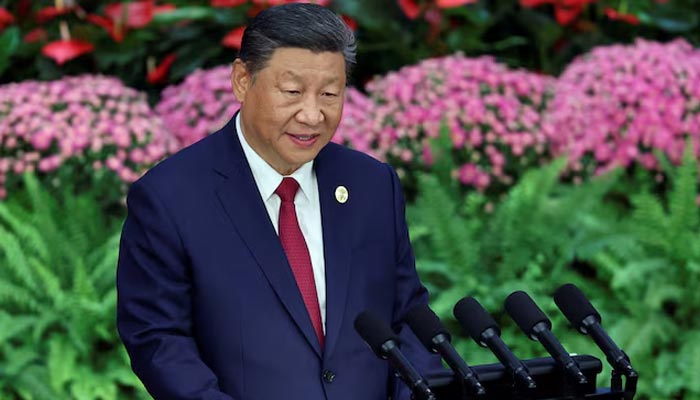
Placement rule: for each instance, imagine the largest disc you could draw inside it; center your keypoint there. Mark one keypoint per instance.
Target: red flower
(64, 50)
(453, 3)
(36, 35)
(160, 73)
(116, 31)
(227, 3)
(234, 38)
(5, 18)
(534, 3)
(136, 14)
(48, 13)
(565, 11)
(271, 3)
(410, 8)
(351, 23)
(624, 17)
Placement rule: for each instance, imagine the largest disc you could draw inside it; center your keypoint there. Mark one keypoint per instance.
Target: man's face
(292, 107)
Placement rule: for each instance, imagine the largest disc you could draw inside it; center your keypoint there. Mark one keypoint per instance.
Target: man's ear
(241, 79)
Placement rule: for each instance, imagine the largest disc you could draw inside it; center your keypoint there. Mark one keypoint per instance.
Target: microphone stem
(616, 357)
(507, 358)
(453, 359)
(559, 353)
(414, 380)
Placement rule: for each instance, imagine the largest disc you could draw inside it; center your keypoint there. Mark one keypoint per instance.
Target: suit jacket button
(328, 376)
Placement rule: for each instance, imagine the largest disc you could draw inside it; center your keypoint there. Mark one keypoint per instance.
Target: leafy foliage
(634, 253)
(58, 300)
(655, 282)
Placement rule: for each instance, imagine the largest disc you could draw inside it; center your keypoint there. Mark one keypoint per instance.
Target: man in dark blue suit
(246, 257)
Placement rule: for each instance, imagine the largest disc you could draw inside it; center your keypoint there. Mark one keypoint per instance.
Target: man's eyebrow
(290, 74)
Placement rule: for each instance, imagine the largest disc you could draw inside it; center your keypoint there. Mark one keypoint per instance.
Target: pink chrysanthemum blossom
(92, 121)
(493, 114)
(618, 104)
(200, 105)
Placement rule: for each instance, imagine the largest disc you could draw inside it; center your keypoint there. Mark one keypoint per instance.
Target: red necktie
(297, 253)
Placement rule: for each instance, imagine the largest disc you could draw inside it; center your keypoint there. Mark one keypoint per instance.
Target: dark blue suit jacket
(208, 307)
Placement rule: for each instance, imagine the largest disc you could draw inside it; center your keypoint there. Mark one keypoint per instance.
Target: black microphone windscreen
(473, 318)
(374, 331)
(574, 304)
(425, 324)
(525, 312)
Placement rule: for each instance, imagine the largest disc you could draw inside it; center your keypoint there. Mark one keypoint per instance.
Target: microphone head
(520, 306)
(575, 306)
(374, 332)
(474, 319)
(426, 325)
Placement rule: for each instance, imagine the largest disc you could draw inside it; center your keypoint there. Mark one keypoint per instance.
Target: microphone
(584, 317)
(532, 321)
(484, 330)
(383, 341)
(432, 333)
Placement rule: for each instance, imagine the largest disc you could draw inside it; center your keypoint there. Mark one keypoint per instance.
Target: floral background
(539, 142)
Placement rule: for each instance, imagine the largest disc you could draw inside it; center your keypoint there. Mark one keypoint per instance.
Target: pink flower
(480, 101)
(198, 106)
(44, 124)
(41, 140)
(618, 104)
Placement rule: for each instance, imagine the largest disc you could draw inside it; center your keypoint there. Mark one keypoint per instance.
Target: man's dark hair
(307, 26)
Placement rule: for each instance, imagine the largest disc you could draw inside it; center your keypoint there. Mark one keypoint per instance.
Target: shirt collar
(266, 178)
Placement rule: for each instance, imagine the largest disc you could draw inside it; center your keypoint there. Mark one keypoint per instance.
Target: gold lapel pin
(341, 194)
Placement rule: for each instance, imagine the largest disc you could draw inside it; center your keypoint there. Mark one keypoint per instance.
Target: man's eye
(292, 92)
(330, 94)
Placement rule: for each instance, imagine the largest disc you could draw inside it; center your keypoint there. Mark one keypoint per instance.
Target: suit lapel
(241, 200)
(335, 218)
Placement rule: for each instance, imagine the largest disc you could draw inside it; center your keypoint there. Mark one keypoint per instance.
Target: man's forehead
(293, 75)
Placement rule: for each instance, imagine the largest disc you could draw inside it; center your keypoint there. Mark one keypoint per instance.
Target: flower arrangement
(89, 122)
(200, 105)
(493, 115)
(619, 104)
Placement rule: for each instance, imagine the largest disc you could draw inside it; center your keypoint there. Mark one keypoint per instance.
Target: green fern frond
(451, 239)
(13, 262)
(17, 359)
(60, 362)
(82, 285)
(650, 223)
(103, 260)
(52, 290)
(684, 218)
(45, 322)
(690, 353)
(27, 233)
(90, 385)
(33, 384)
(13, 326)
(15, 298)
(637, 273)
(516, 230)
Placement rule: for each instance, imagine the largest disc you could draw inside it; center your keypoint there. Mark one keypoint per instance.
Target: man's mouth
(304, 140)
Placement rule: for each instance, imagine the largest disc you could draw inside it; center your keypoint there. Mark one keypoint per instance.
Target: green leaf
(671, 19)
(9, 41)
(61, 363)
(188, 13)
(12, 326)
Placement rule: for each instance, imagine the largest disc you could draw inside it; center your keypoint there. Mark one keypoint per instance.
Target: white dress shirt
(307, 206)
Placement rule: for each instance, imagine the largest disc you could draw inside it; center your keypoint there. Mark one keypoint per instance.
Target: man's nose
(310, 113)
